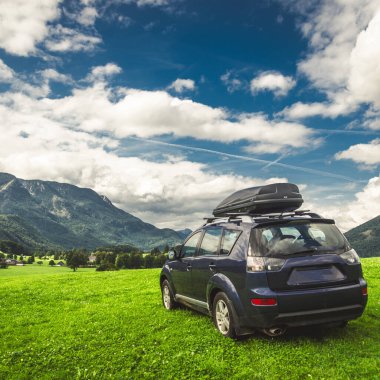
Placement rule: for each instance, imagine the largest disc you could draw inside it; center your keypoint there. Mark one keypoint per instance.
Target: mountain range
(54, 215)
(366, 238)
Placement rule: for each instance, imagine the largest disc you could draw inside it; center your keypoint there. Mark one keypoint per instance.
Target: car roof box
(277, 197)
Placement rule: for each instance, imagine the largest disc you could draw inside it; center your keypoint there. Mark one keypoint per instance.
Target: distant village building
(92, 258)
(60, 264)
(12, 262)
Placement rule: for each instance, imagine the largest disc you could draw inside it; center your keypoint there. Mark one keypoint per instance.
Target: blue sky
(167, 106)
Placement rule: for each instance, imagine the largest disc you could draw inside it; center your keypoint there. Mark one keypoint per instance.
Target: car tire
(222, 315)
(167, 296)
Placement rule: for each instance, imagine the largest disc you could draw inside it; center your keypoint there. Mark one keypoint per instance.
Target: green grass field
(57, 324)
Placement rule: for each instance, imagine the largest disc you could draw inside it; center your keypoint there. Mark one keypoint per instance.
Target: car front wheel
(167, 296)
(222, 315)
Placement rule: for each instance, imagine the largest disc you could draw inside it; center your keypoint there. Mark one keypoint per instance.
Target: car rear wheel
(222, 315)
(167, 296)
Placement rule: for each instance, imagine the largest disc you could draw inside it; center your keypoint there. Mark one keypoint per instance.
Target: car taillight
(350, 257)
(264, 301)
(255, 264)
(260, 264)
(364, 291)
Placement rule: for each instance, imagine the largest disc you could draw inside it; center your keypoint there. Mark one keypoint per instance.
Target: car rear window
(296, 238)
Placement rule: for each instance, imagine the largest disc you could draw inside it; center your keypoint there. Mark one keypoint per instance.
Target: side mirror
(171, 255)
(174, 253)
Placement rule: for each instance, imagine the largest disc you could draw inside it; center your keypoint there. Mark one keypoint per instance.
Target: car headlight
(350, 257)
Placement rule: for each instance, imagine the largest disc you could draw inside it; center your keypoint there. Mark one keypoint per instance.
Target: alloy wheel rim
(166, 297)
(222, 317)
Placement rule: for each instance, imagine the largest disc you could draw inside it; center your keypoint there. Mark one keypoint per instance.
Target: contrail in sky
(346, 131)
(246, 158)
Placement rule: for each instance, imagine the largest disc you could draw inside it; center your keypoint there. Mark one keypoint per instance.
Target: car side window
(210, 242)
(228, 241)
(190, 247)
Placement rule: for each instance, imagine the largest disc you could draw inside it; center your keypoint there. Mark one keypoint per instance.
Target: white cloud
(372, 121)
(37, 85)
(167, 193)
(6, 73)
(341, 105)
(181, 85)
(364, 78)
(131, 112)
(53, 75)
(332, 30)
(349, 214)
(57, 138)
(273, 81)
(233, 84)
(101, 73)
(62, 39)
(154, 3)
(87, 16)
(24, 24)
(367, 154)
(344, 57)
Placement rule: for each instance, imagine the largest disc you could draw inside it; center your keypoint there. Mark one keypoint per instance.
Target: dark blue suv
(266, 272)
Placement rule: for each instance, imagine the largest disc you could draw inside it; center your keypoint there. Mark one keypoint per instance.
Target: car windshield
(296, 238)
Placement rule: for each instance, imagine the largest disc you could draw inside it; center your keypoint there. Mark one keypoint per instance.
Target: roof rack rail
(228, 219)
(239, 217)
(282, 215)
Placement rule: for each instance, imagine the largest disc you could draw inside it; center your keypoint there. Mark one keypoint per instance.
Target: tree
(136, 261)
(166, 249)
(30, 260)
(8, 246)
(122, 260)
(40, 262)
(159, 261)
(149, 261)
(105, 256)
(51, 263)
(105, 266)
(155, 251)
(75, 258)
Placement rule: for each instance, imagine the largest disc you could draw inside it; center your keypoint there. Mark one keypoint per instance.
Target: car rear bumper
(306, 307)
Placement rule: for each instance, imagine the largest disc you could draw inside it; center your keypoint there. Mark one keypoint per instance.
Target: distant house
(12, 262)
(92, 258)
(60, 264)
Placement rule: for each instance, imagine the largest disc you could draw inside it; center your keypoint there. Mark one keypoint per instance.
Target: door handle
(189, 267)
(212, 267)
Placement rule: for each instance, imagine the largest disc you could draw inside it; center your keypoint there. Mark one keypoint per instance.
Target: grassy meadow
(57, 324)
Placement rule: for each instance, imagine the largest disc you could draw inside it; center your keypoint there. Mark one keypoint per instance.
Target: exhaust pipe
(274, 331)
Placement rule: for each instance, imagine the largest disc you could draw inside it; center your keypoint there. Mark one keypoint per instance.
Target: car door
(181, 269)
(204, 264)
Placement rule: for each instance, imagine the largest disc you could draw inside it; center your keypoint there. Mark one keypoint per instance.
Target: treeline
(114, 261)
(104, 258)
(8, 246)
